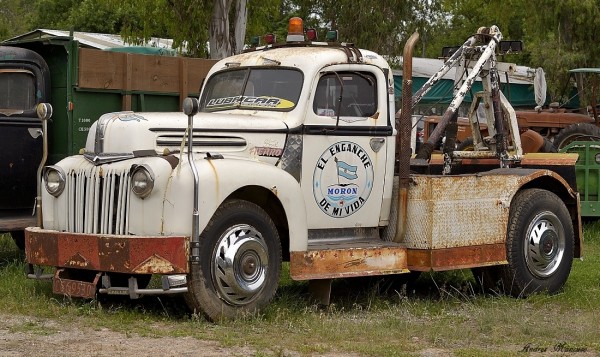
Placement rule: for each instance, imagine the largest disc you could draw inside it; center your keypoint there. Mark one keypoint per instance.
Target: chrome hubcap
(240, 264)
(545, 245)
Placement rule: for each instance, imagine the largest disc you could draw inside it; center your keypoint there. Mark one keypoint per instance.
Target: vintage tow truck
(294, 152)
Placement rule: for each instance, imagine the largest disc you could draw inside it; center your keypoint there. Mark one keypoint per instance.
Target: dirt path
(31, 336)
(26, 336)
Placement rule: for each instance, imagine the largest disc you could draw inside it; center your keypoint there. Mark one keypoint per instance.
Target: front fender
(219, 179)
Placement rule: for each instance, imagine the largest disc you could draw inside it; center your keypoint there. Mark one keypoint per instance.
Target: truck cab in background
(24, 83)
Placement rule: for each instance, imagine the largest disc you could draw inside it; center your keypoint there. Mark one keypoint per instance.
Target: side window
(352, 94)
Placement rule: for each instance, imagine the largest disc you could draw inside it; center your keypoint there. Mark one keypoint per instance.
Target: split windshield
(17, 90)
(275, 89)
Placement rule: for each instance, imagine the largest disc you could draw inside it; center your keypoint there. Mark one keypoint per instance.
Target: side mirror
(190, 106)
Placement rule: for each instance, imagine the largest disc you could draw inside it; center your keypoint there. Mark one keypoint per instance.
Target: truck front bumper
(107, 253)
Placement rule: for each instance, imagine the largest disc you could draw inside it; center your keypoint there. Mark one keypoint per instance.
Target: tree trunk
(241, 20)
(220, 46)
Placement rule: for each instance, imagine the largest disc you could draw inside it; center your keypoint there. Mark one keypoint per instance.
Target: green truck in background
(587, 171)
(81, 83)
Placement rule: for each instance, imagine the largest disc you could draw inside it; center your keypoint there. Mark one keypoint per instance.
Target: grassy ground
(439, 312)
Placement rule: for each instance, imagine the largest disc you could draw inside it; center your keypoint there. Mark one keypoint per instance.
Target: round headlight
(54, 180)
(142, 181)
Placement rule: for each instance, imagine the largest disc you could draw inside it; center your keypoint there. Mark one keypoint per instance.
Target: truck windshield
(17, 90)
(253, 88)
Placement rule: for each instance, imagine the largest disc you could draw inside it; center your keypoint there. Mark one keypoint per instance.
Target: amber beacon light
(295, 30)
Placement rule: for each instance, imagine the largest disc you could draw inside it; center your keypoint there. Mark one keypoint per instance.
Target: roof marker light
(270, 38)
(311, 34)
(332, 36)
(295, 30)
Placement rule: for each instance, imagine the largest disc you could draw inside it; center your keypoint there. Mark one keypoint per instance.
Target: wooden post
(128, 73)
(183, 81)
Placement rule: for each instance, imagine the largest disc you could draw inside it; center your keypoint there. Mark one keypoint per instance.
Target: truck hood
(123, 135)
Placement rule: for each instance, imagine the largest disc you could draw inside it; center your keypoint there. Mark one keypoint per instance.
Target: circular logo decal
(343, 179)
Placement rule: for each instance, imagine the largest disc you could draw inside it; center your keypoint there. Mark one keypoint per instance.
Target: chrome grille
(98, 201)
(171, 139)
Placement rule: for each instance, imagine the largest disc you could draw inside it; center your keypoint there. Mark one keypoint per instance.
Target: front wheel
(240, 262)
(539, 244)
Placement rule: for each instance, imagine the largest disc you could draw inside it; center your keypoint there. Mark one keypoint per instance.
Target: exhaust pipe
(403, 139)
(44, 113)
(190, 108)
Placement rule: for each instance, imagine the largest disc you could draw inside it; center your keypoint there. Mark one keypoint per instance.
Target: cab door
(346, 147)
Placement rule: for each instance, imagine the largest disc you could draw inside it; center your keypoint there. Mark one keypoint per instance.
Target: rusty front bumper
(107, 253)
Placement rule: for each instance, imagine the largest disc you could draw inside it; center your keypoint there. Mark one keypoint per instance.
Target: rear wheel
(240, 262)
(576, 132)
(539, 244)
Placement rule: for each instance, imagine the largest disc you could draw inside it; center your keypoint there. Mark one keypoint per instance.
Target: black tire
(19, 239)
(539, 244)
(240, 262)
(576, 132)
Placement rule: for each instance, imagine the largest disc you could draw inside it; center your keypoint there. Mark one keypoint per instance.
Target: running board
(348, 258)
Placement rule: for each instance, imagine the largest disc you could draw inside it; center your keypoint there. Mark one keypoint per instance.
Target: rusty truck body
(294, 152)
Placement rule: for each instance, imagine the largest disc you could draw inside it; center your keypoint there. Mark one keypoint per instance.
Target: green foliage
(558, 35)
(380, 26)
(79, 15)
(185, 21)
(561, 35)
(15, 17)
(269, 16)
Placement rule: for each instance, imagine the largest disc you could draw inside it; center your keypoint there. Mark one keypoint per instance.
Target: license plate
(75, 288)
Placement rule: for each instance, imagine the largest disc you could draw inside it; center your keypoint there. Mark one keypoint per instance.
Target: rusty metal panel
(77, 251)
(465, 210)
(339, 263)
(158, 256)
(456, 258)
(40, 250)
(107, 253)
(456, 211)
(113, 253)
